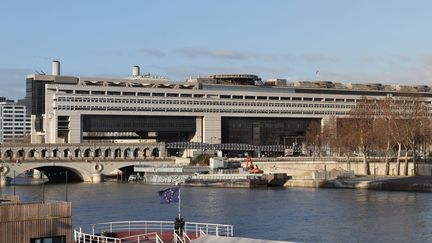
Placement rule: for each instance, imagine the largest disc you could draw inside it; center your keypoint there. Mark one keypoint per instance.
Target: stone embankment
(412, 183)
(391, 183)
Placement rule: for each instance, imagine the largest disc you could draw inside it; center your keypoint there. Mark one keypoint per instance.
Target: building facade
(14, 122)
(230, 108)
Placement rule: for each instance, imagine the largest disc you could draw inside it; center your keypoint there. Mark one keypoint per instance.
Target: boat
(150, 231)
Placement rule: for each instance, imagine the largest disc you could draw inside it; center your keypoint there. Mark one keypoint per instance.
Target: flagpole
(179, 203)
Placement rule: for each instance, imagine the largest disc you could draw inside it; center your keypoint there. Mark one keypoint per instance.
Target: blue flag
(169, 195)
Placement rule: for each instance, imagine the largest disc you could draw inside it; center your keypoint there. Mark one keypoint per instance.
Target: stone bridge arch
(7, 154)
(20, 154)
(58, 173)
(79, 169)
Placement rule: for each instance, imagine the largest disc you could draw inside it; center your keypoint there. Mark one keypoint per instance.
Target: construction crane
(253, 169)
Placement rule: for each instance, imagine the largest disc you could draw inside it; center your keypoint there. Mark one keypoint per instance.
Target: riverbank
(392, 183)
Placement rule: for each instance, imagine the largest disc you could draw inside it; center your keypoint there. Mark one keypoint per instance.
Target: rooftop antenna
(45, 58)
(316, 75)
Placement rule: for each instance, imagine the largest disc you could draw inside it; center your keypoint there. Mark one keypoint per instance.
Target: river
(301, 215)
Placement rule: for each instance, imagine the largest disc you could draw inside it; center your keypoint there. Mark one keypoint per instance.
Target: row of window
(185, 109)
(16, 124)
(208, 96)
(12, 111)
(17, 120)
(12, 107)
(11, 132)
(195, 102)
(16, 128)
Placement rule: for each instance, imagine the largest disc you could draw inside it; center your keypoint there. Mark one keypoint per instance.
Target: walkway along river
(303, 215)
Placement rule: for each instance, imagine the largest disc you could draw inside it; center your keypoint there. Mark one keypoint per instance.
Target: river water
(301, 215)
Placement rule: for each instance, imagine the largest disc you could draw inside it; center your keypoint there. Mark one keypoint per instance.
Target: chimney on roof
(135, 71)
(55, 68)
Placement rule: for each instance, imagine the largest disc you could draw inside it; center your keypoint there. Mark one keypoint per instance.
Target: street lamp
(200, 142)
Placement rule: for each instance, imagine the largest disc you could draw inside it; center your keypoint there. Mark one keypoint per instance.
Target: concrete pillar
(4, 181)
(97, 178)
(37, 174)
(75, 131)
(198, 136)
(162, 150)
(212, 129)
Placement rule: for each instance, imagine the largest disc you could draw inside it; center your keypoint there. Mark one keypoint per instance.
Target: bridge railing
(231, 146)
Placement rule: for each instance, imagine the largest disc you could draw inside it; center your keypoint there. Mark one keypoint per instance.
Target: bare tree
(362, 119)
(314, 137)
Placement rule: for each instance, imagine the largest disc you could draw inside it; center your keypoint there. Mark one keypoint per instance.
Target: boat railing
(209, 229)
(177, 238)
(142, 228)
(131, 226)
(81, 237)
(186, 238)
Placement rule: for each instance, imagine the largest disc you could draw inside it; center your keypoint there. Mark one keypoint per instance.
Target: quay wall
(306, 167)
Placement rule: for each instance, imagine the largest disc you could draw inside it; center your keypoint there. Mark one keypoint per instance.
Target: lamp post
(66, 189)
(200, 141)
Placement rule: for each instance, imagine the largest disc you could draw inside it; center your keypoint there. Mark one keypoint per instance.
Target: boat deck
(149, 231)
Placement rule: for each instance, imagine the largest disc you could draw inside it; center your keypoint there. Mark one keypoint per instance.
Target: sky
(349, 41)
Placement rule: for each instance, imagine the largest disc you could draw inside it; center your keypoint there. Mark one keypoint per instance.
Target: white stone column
(75, 130)
(212, 129)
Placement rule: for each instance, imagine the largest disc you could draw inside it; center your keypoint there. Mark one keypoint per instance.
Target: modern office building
(14, 122)
(224, 108)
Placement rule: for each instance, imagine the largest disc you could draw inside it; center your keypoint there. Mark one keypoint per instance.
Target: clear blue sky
(347, 41)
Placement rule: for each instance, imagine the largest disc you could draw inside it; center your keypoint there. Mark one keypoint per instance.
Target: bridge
(89, 161)
(80, 170)
(118, 151)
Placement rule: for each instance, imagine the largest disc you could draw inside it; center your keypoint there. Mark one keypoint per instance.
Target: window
(96, 92)
(82, 92)
(113, 93)
(53, 239)
(172, 95)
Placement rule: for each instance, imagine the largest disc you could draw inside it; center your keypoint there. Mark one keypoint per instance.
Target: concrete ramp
(220, 239)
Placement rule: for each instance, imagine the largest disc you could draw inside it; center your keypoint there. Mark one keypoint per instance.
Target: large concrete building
(14, 122)
(231, 108)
